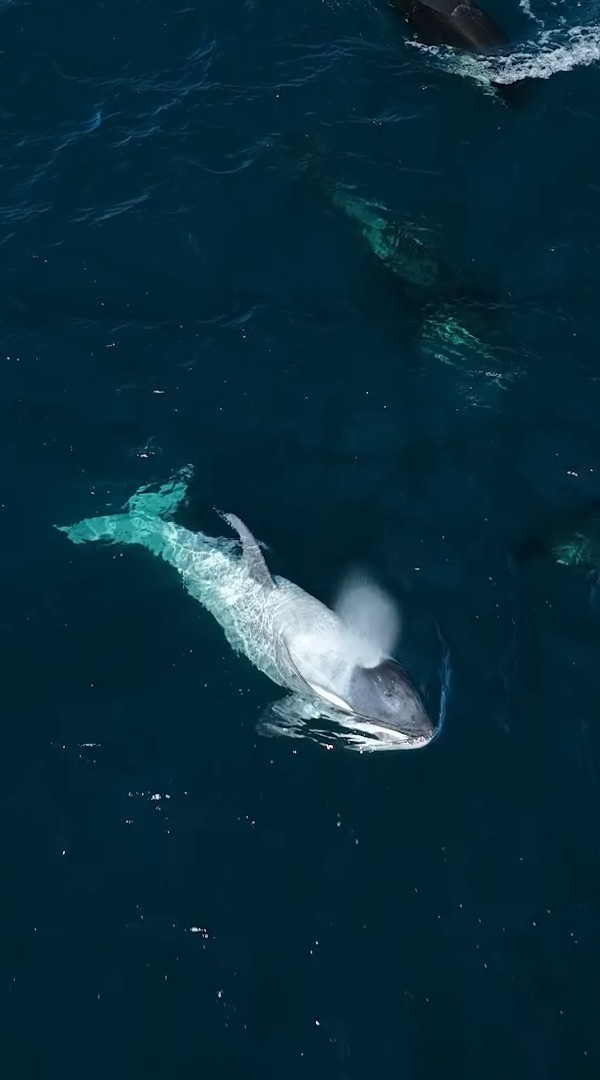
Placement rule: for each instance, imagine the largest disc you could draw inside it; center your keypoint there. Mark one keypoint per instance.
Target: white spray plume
(370, 615)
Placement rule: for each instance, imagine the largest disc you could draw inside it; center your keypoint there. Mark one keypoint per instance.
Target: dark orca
(462, 25)
(452, 22)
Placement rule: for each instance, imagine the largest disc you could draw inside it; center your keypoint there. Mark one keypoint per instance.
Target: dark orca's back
(446, 22)
(478, 30)
(480, 34)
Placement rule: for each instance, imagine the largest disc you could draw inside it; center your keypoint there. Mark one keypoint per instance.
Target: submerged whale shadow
(398, 267)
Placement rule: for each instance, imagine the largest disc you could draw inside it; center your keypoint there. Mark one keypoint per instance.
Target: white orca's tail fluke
(137, 524)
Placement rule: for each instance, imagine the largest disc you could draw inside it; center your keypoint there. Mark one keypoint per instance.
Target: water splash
(527, 10)
(554, 51)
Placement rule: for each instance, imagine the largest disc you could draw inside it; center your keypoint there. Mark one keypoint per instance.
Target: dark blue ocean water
(181, 896)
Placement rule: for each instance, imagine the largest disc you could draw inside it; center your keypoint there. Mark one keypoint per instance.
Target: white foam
(554, 51)
(527, 10)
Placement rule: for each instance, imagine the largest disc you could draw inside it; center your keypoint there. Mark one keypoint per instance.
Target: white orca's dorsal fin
(252, 556)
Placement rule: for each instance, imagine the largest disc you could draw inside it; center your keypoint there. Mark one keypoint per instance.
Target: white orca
(335, 663)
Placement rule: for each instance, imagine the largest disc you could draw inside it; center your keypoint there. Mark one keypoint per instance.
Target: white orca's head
(358, 676)
(385, 695)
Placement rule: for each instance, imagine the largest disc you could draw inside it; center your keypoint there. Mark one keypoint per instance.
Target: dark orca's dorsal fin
(252, 556)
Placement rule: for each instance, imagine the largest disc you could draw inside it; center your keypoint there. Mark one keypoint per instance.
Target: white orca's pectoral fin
(298, 718)
(284, 717)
